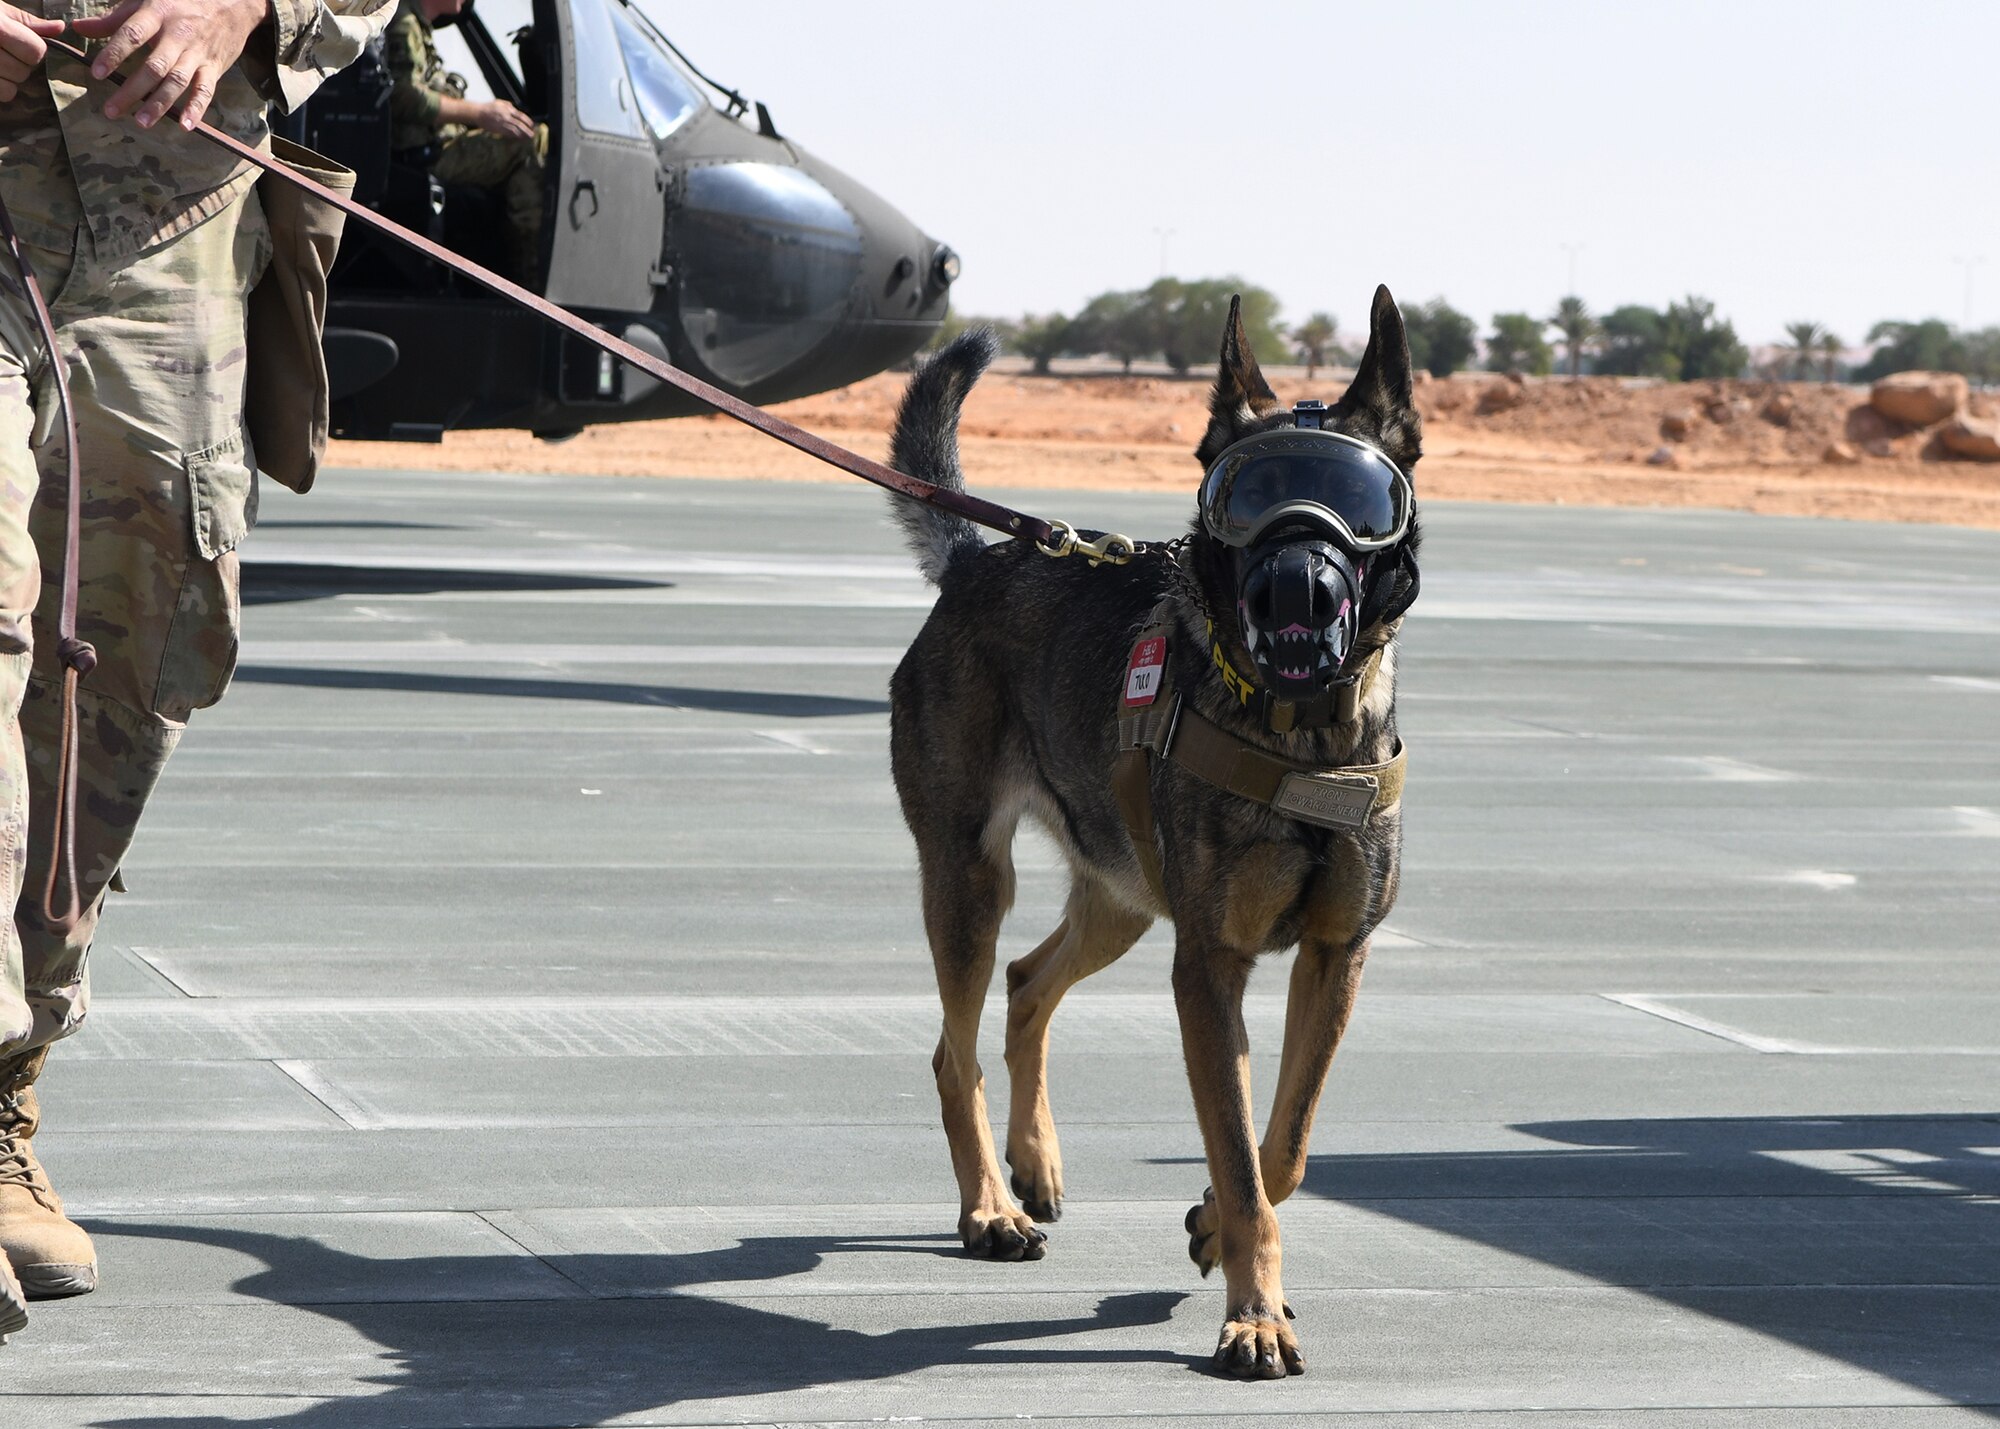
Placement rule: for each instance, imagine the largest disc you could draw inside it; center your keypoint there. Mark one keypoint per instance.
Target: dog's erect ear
(1241, 394)
(1379, 406)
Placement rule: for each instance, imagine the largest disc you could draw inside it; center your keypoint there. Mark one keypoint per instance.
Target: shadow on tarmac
(776, 703)
(279, 582)
(602, 1355)
(1873, 1240)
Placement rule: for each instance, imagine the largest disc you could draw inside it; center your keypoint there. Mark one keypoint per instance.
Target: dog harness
(1154, 721)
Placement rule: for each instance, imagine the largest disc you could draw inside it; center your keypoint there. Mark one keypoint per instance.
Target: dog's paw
(1204, 1226)
(1040, 1190)
(1256, 1346)
(1001, 1235)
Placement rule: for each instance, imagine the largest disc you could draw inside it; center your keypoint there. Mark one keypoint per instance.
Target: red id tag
(1142, 676)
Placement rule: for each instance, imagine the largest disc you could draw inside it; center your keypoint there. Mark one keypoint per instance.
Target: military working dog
(1209, 734)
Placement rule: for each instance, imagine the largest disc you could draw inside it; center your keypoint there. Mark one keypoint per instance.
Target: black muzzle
(1300, 609)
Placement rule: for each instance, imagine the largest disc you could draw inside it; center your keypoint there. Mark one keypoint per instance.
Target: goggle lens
(1250, 491)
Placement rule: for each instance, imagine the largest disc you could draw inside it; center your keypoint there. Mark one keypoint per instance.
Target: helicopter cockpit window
(769, 259)
(603, 94)
(666, 96)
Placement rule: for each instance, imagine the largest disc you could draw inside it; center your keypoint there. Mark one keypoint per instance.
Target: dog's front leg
(1325, 980)
(1256, 1341)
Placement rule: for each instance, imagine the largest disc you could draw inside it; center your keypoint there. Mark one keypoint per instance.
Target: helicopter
(686, 224)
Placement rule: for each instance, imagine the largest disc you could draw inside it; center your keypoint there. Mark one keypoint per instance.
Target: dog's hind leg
(964, 900)
(1095, 932)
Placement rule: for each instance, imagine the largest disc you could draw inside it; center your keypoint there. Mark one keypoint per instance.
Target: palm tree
(1312, 338)
(1807, 343)
(1573, 320)
(1831, 349)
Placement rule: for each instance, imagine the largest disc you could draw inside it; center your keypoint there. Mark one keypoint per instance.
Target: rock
(1724, 410)
(1664, 456)
(1778, 408)
(1840, 454)
(1974, 438)
(1866, 426)
(1503, 396)
(1881, 447)
(1983, 405)
(1917, 399)
(1675, 425)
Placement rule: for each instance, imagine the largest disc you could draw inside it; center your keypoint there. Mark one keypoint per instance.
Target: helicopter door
(609, 192)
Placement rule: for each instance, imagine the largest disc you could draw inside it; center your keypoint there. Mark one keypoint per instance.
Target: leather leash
(1053, 538)
(78, 657)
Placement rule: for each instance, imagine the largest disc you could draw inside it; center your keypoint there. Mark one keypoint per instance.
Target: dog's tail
(926, 446)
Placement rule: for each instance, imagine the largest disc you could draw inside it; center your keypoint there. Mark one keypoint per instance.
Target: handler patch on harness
(1331, 800)
(1142, 675)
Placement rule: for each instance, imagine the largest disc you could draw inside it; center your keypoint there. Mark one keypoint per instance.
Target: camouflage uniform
(146, 244)
(464, 156)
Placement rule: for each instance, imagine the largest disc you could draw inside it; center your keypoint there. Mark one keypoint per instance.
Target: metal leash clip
(1109, 549)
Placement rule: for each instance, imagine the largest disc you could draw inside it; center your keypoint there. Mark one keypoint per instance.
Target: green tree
(1188, 318)
(1573, 320)
(1633, 344)
(1517, 345)
(1702, 346)
(1806, 340)
(1982, 355)
(1830, 350)
(1042, 339)
(1927, 346)
(1442, 339)
(1118, 324)
(1314, 339)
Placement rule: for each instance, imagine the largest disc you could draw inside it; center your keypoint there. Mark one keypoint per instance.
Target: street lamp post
(1572, 249)
(1968, 264)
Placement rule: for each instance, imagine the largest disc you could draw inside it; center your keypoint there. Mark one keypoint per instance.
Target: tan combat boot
(50, 1253)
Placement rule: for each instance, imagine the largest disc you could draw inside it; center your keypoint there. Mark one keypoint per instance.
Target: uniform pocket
(222, 486)
(200, 651)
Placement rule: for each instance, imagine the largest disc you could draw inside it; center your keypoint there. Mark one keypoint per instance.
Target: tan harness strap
(1141, 730)
(1344, 798)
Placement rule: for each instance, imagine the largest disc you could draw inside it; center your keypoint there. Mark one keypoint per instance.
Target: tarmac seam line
(1756, 1042)
(309, 1080)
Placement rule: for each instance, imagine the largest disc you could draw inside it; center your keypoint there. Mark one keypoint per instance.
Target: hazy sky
(1788, 160)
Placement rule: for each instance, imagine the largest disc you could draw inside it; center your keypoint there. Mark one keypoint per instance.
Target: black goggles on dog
(1306, 475)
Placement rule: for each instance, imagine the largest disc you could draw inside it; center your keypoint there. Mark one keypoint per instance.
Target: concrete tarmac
(521, 1016)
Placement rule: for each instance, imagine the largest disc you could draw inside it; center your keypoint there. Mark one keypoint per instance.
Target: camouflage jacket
(63, 164)
(421, 79)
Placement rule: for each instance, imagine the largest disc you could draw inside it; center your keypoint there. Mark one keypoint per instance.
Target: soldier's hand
(497, 116)
(22, 45)
(189, 44)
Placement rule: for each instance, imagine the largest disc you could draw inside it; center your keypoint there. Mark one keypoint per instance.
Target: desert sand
(1738, 445)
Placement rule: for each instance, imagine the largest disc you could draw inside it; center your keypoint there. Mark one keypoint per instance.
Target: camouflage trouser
(156, 364)
(513, 167)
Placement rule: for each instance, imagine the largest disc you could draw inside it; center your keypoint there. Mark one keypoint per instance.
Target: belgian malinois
(1278, 614)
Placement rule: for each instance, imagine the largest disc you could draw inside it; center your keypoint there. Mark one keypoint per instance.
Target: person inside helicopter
(486, 144)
